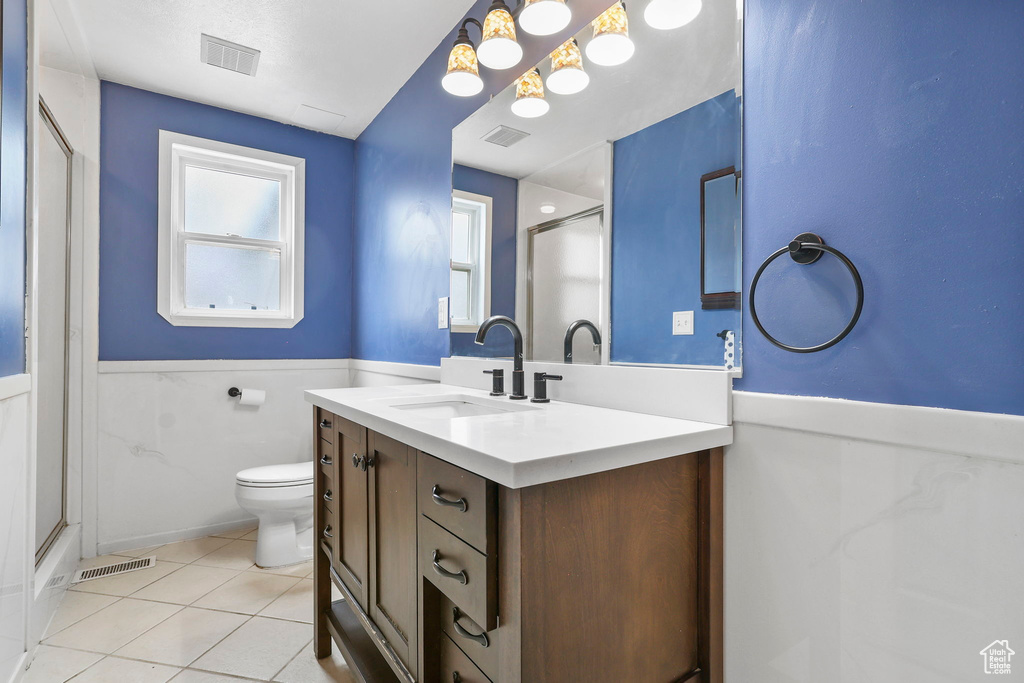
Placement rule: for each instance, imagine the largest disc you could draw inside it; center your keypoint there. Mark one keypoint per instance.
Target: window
(470, 261)
(231, 234)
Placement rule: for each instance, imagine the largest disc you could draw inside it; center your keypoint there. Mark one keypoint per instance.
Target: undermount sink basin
(451, 407)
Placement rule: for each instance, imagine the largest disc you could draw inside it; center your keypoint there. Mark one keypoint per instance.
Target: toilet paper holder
(234, 392)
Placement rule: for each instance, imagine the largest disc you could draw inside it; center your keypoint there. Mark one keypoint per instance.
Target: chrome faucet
(518, 378)
(571, 332)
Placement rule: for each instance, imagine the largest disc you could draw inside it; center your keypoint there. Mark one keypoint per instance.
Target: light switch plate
(442, 313)
(682, 322)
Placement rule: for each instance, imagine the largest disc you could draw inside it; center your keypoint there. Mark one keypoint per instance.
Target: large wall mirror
(606, 220)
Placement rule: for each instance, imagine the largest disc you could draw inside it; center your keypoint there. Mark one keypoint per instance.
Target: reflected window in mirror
(470, 259)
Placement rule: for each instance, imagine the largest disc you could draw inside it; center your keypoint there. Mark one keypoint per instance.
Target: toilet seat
(277, 476)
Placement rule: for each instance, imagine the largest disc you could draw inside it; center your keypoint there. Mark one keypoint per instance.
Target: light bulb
(669, 14)
(498, 47)
(530, 102)
(611, 45)
(544, 17)
(463, 77)
(547, 208)
(567, 76)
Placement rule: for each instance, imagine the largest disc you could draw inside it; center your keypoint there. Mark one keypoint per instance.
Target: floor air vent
(503, 136)
(112, 569)
(228, 55)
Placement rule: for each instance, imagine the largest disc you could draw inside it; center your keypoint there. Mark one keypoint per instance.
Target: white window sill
(184, 320)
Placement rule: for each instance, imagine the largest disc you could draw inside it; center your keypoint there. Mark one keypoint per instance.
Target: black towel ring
(805, 249)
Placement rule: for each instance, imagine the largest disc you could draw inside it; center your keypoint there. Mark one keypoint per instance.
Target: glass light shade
(567, 76)
(547, 208)
(530, 102)
(544, 17)
(611, 45)
(669, 14)
(498, 48)
(463, 77)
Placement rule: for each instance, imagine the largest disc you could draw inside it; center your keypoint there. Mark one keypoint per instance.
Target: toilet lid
(285, 475)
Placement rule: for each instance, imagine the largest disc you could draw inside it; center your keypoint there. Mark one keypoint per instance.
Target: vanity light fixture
(544, 17)
(547, 208)
(567, 76)
(463, 77)
(669, 14)
(498, 47)
(530, 102)
(611, 45)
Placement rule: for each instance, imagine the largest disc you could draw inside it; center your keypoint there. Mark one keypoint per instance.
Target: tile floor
(204, 614)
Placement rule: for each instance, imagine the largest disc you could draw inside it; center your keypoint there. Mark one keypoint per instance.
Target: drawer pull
(481, 638)
(456, 678)
(326, 460)
(324, 424)
(459, 576)
(329, 496)
(327, 531)
(356, 460)
(436, 495)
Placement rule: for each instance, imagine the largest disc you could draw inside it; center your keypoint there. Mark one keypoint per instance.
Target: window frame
(177, 152)
(479, 269)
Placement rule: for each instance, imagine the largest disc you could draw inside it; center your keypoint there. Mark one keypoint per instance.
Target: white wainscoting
(171, 441)
(15, 556)
(870, 542)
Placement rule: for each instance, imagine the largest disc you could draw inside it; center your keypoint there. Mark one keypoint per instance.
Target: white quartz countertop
(529, 444)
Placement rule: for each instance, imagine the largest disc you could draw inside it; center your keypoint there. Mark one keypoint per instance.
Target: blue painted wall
(895, 129)
(130, 327)
(12, 190)
(504, 193)
(656, 234)
(403, 200)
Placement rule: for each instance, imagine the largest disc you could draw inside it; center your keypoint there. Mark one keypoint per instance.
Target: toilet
(281, 497)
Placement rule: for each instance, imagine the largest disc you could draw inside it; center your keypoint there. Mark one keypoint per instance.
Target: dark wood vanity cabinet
(449, 577)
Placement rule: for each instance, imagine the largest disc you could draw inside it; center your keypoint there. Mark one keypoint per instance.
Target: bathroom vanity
(479, 539)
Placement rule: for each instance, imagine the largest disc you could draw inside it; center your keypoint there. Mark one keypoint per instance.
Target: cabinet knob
(368, 461)
(480, 638)
(324, 424)
(326, 460)
(357, 460)
(456, 678)
(459, 576)
(327, 532)
(328, 495)
(435, 493)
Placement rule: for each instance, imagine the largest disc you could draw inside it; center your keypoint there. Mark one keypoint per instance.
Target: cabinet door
(393, 572)
(351, 555)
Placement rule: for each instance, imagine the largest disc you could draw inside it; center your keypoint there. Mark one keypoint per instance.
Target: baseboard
(165, 537)
(131, 366)
(982, 435)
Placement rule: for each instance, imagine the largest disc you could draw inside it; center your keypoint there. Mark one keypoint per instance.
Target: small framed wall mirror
(597, 200)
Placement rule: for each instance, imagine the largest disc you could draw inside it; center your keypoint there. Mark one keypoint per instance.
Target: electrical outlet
(442, 313)
(682, 322)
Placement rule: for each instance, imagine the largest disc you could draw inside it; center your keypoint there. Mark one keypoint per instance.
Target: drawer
(325, 425)
(460, 501)
(465, 575)
(480, 646)
(456, 667)
(327, 458)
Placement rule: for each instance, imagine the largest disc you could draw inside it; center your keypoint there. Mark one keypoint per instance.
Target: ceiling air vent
(228, 55)
(503, 136)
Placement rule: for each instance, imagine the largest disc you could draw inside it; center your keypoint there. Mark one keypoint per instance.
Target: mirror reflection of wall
(621, 211)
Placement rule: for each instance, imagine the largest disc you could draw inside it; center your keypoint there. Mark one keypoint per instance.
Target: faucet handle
(540, 387)
(497, 381)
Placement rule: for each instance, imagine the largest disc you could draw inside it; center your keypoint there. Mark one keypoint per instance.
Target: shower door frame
(531, 233)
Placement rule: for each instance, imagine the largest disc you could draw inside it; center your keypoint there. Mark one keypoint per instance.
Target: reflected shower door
(53, 229)
(564, 285)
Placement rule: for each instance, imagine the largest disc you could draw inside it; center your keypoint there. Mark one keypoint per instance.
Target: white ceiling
(670, 72)
(338, 56)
